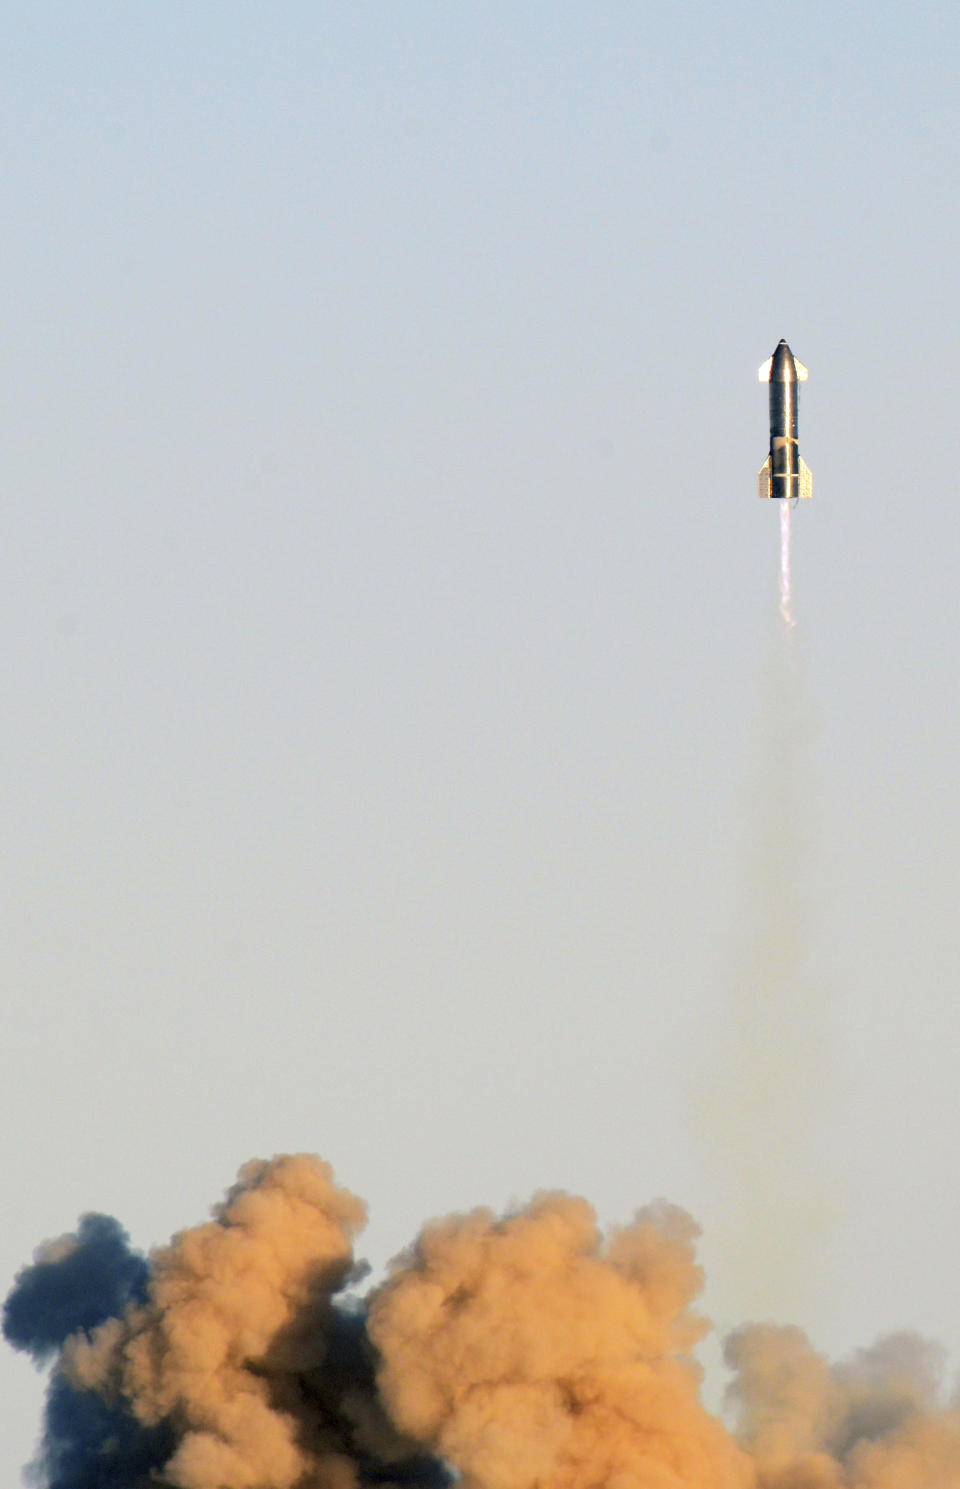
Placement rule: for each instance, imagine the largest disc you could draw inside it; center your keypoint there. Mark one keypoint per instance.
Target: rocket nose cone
(783, 369)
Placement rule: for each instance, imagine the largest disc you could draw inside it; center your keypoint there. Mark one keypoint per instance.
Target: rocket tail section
(804, 483)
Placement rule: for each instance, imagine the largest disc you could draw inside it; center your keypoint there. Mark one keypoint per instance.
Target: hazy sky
(396, 730)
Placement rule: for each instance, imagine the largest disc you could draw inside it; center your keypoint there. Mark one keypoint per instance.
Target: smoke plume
(240, 1349)
(525, 1351)
(532, 1351)
(877, 1422)
(74, 1284)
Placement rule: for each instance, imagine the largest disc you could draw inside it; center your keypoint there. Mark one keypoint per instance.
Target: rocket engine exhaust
(786, 586)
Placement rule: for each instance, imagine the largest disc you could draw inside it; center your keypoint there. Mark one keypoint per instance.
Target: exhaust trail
(762, 1099)
(786, 581)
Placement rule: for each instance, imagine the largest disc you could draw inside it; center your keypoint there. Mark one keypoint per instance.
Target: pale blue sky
(385, 606)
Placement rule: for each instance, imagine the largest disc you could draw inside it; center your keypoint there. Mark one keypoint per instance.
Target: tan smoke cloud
(235, 1320)
(790, 1405)
(532, 1351)
(874, 1423)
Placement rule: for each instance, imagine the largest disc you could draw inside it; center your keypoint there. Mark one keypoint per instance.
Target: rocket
(784, 474)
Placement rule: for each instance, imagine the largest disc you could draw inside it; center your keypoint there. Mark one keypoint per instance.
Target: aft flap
(763, 479)
(806, 478)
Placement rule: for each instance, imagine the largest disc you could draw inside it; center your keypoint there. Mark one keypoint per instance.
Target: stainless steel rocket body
(784, 448)
(784, 476)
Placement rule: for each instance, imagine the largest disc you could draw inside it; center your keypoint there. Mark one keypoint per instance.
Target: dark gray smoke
(89, 1444)
(73, 1285)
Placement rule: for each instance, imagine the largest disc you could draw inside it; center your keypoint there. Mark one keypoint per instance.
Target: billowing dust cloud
(529, 1351)
(532, 1351)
